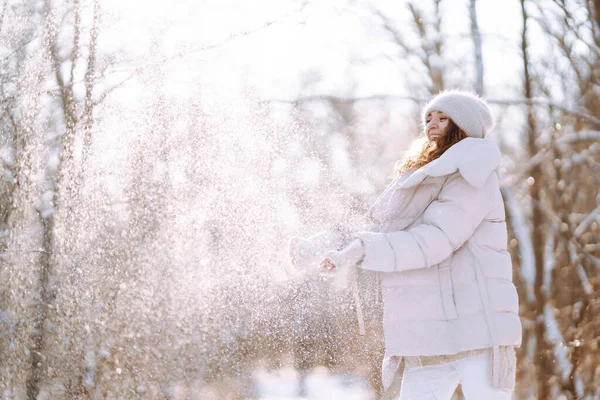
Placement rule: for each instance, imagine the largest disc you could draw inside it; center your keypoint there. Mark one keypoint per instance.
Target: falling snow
(156, 160)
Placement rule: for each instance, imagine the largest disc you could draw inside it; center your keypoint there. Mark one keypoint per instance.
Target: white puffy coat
(439, 239)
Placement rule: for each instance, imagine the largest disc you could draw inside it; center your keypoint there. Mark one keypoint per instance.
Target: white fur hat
(467, 110)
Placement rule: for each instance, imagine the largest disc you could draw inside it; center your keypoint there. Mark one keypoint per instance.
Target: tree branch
(331, 98)
(582, 227)
(546, 102)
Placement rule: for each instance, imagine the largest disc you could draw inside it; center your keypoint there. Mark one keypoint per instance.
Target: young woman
(438, 237)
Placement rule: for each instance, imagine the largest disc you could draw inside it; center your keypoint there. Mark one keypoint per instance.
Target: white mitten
(345, 260)
(311, 251)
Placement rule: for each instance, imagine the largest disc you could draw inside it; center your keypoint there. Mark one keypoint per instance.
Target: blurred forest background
(157, 157)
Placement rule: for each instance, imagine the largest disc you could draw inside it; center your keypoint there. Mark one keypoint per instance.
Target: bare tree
(573, 204)
(477, 47)
(20, 83)
(40, 186)
(429, 33)
(537, 233)
(561, 203)
(63, 183)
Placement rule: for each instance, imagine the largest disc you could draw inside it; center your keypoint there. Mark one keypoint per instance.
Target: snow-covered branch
(561, 352)
(546, 102)
(585, 282)
(594, 260)
(583, 156)
(582, 227)
(511, 180)
(349, 99)
(523, 235)
(581, 135)
(549, 257)
(540, 155)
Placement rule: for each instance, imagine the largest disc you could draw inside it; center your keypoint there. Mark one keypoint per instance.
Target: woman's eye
(443, 119)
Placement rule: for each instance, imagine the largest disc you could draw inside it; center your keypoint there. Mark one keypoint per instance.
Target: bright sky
(318, 39)
(280, 57)
(327, 47)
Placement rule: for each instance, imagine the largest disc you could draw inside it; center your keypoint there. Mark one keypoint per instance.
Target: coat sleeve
(447, 224)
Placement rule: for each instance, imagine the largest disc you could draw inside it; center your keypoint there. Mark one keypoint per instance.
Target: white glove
(310, 251)
(344, 261)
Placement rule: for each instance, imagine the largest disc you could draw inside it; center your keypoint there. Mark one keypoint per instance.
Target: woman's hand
(347, 257)
(309, 252)
(343, 261)
(327, 264)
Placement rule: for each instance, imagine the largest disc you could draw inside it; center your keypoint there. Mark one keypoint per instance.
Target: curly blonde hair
(432, 150)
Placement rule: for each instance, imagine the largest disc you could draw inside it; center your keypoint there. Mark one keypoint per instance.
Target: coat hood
(474, 158)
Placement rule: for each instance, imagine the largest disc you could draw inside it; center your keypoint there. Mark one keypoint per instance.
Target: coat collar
(474, 158)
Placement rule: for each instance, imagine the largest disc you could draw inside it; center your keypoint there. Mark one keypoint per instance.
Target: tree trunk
(537, 225)
(37, 355)
(476, 35)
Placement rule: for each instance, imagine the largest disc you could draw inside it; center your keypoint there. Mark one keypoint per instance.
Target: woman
(438, 239)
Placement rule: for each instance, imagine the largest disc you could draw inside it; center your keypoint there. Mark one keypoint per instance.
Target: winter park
(298, 199)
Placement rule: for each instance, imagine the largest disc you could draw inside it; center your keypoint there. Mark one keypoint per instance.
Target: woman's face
(437, 122)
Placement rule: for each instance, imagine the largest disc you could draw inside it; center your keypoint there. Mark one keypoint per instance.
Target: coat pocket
(446, 289)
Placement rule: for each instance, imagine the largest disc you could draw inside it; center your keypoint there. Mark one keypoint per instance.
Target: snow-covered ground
(319, 383)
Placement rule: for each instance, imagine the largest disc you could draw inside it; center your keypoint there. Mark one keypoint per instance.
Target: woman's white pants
(438, 382)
